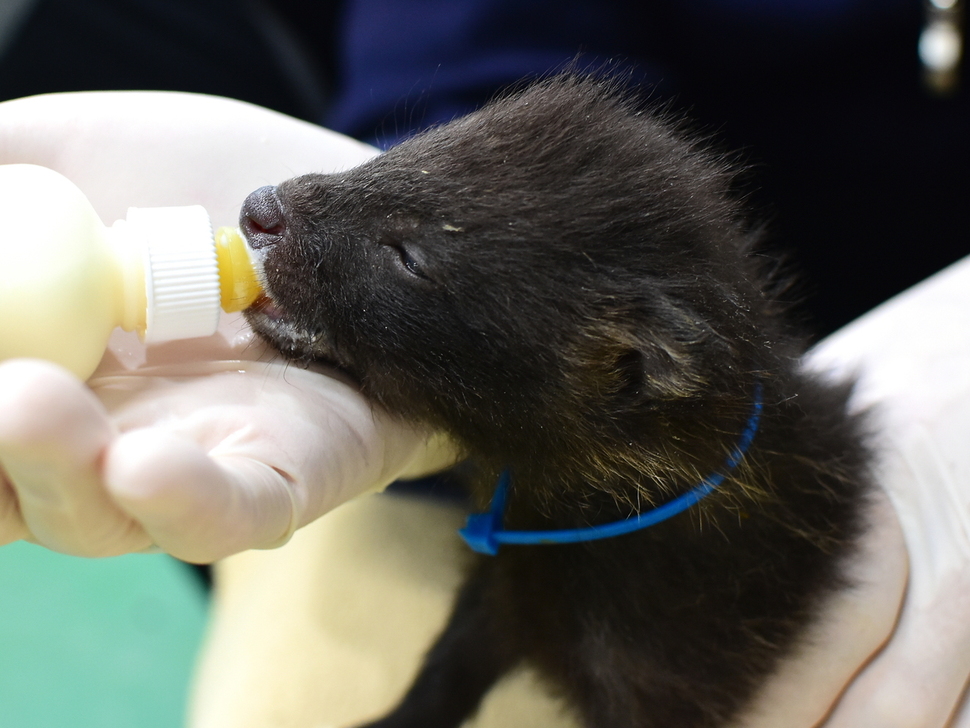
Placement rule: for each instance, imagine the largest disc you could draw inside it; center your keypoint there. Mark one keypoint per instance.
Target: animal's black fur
(565, 285)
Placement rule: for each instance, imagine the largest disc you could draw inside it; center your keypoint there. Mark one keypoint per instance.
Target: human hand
(203, 447)
(895, 651)
(913, 356)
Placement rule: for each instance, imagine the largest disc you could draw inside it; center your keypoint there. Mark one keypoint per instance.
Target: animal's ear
(655, 370)
(629, 373)
(630, 366)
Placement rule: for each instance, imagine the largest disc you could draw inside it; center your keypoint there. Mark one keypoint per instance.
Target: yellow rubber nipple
(238, 284)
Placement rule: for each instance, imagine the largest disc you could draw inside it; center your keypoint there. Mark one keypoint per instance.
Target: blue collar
(483, 532)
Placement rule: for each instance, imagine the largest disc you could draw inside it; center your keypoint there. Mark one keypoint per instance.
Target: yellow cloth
(330, 629)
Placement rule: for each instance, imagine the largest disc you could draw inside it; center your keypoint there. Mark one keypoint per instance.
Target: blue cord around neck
(483, 532)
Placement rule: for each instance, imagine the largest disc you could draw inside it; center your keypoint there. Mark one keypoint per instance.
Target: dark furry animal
(565, 285)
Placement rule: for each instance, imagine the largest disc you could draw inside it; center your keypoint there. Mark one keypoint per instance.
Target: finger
(919, 678)
(52, 435)
(12, 527)
(852, 626)
(196, 506)
(961, 719)
(917, 681)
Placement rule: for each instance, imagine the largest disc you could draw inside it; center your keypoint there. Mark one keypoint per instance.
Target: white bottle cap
(181, 271)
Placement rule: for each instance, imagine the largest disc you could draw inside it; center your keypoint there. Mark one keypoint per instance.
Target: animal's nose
(261, 218)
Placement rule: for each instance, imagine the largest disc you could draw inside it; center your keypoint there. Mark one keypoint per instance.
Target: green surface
(96, 643)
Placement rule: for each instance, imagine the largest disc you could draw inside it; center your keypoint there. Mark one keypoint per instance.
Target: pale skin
(209, 448)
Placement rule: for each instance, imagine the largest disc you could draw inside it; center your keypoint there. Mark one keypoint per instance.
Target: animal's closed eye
(410, 263)
(405, 258)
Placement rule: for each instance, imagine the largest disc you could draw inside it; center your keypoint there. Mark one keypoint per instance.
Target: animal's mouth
(270, 321)
(267, 308)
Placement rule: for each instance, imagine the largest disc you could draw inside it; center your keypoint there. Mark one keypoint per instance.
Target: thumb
(197, 506)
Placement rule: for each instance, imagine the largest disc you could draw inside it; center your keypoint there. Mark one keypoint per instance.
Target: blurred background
(107, 643)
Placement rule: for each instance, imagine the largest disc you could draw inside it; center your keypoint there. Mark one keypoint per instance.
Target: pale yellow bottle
(67, 281)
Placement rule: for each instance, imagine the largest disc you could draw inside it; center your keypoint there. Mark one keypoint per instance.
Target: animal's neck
(682, 449)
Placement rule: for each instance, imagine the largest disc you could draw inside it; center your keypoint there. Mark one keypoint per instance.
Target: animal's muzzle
(261, 218)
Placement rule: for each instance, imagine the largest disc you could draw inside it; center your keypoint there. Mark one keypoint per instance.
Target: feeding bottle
(66, 280)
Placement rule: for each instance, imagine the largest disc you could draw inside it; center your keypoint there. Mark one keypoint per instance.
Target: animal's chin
(268, 319)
